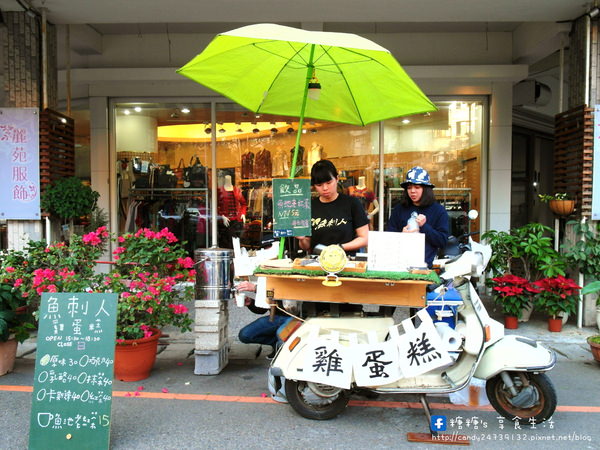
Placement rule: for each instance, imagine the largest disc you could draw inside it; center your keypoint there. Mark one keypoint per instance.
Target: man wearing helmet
(431, 217)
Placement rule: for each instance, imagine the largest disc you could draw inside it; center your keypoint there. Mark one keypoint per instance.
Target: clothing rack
(183, 193)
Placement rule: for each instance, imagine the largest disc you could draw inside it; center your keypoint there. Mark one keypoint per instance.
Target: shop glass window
(448, 143)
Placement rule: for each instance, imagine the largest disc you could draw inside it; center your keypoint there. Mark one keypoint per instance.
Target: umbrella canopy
(267, 68)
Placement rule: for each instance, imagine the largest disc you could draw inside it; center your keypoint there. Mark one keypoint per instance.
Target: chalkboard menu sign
(72, 389)
(291, 207)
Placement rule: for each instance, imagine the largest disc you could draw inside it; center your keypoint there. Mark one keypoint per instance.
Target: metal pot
(214, 268)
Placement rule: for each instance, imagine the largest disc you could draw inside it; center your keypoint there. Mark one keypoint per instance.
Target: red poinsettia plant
(556, 294)
(512, 293)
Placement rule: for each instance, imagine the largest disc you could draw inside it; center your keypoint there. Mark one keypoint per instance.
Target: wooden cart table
(352, 290)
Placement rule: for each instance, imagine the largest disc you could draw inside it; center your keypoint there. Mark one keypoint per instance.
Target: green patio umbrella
(270, 68)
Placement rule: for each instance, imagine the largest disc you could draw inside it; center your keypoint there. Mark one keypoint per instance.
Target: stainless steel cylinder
(214, 270)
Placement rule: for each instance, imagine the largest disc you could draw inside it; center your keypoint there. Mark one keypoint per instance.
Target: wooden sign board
(72, 389)
(291, 207)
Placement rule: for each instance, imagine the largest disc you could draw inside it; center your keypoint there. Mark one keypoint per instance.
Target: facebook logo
(438, 423)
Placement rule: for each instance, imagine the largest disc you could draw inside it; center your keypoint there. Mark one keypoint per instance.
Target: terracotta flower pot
(595, 348)
(555, 325)
(562, 207)
(511, 322)
(8, 353)
(134, 358)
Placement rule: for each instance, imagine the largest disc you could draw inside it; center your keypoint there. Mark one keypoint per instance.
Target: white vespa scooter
(512, 366)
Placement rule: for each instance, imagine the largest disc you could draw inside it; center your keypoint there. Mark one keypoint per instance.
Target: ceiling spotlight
(290, 130)
(126, 112)
(221, 130)
(137, 109)
(63, 120)
(174, 115)
(185, 110)
(257, 116)
(239, 130)
(313, 130)
(208, 130)
(256, 130)
(594, 13)
(274, 130)
(405, 121)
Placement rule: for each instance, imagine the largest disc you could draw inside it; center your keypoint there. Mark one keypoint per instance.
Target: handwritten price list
(72, 390)
(291, 207)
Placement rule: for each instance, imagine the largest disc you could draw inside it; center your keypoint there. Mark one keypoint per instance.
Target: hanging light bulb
(314, 87)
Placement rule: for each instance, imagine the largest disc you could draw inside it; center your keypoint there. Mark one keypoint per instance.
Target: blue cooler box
(448, 305)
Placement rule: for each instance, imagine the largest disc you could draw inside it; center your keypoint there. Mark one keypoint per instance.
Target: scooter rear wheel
(316, 401)
(541, 408)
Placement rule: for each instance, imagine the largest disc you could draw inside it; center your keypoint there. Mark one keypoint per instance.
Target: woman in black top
(336, 218)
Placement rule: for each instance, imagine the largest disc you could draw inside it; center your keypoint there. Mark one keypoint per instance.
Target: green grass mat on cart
(431, 277)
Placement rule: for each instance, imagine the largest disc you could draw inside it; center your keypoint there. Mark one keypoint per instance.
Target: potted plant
(594, 343)
(15, 326)
(559, 203)
(152, 275)
(68, 198)
(582, 254)
(527, 251)
(555, 295)
(512, 293)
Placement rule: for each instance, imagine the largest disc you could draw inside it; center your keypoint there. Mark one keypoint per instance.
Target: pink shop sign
(19, 164)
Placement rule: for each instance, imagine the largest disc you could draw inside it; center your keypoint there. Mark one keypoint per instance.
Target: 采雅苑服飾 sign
(19, 164)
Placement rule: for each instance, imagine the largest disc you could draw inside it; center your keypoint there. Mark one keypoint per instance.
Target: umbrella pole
(309, 73)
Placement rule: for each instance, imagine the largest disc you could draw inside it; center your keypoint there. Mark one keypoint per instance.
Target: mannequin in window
(366, 197)
(280, 163)
(314, 154)
(231, 207)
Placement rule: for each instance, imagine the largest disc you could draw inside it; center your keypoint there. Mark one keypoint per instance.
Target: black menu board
(72, 389)
(291, 207)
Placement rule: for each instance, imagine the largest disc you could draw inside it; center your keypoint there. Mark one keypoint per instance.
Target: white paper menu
(395, 252)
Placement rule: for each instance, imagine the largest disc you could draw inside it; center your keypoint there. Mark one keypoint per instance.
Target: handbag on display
(142, 181)
(195, 174)
(164, 177)
(178, 171)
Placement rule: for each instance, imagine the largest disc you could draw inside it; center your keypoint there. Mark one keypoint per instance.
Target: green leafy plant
(14, 317)
(558, 196)
(512, 293)
(556, 295)
(584, 254)
(67, 198)
(528, 248)
(595, 339)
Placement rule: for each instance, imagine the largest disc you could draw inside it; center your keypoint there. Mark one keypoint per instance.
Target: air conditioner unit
(531, 93)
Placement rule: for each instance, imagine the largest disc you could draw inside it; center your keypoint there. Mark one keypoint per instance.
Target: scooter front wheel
(535, 401)
(314, 400)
